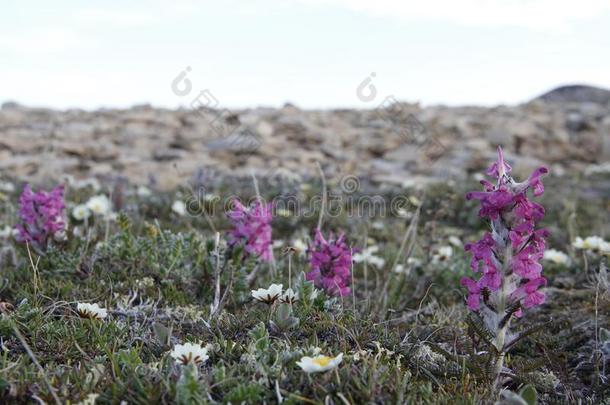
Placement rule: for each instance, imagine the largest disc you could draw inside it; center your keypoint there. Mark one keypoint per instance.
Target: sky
(312, 53)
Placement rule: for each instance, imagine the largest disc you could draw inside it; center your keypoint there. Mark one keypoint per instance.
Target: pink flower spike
(252, 229)
(331, 261)
(42, 216)
(509, 256)
(499, 168)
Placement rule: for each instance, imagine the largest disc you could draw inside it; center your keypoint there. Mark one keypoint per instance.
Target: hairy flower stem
(502, 327)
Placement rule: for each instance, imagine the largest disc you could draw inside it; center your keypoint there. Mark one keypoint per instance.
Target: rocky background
(567, 129)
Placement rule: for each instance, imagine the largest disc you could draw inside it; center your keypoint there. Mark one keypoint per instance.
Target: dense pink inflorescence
(508, 257)
(42, 216)
(331, 261)
(252, 228)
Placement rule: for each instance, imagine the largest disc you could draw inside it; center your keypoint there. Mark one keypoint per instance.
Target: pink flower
(491, 280)
(252, 229)
(508, 256)
(492, 202)
(533, 182)
(474, 293)
(331, 262)
(500, 168)
(527, 209)
(482, 251)
(42, 216)
(526, 264)
(529, 293)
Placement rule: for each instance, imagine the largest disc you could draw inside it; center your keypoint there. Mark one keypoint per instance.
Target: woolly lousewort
(252, 229)
(42, 217)
(331, 262)
(507, 257)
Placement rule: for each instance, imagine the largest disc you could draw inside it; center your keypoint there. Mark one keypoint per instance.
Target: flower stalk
(507, 257)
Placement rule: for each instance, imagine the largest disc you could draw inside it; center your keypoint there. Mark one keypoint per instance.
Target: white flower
(589, 243)
(190, 353)
(289, 297)
(81, 212)
(282, 212)
(403, 213)
(367, 255)
(319, 363)
(300, 246)
(556, 256)
(400, 268)
(409, 183)
(268, 295)
(99, 205)
(6, 232)
(442, 254)
(143, 191)
(415, 201)
(278, 243)
(179, 207)
(7, 187)
(455, 241)
(379, 225)
(92, 311)
(90, 400)
(578, 243)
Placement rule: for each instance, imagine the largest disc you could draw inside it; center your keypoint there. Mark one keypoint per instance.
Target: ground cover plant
(284, 293)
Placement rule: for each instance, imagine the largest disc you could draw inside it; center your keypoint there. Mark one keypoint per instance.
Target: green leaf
(529, 394)
(162, 333)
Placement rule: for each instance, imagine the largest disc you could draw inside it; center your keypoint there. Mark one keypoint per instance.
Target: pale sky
(313, 53)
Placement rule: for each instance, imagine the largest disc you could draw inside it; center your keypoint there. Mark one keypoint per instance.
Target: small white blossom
(403, 213)
(409, 183)
(81, 212)
(400, 268)
(592, 243)
(368, 256)
(6, 232)
(91, 311)
(589, 243)
(300, 246)
(179, 207)
(379, 225)
(282, 212)
(268, 295)
(143, 191)
(99, 205)
(442, 254)
(190, 353)
(7, 187)
(319, 363)
(455, 241)
(289, 297)
(90, 400)
(556, 256)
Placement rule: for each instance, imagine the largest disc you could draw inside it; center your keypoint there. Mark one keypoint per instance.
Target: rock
(577, 94)
(144, 143)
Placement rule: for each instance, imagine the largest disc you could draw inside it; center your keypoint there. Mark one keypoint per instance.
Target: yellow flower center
(322, 360)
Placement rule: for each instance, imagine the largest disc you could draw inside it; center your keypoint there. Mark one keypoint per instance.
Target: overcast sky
(313, 53)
